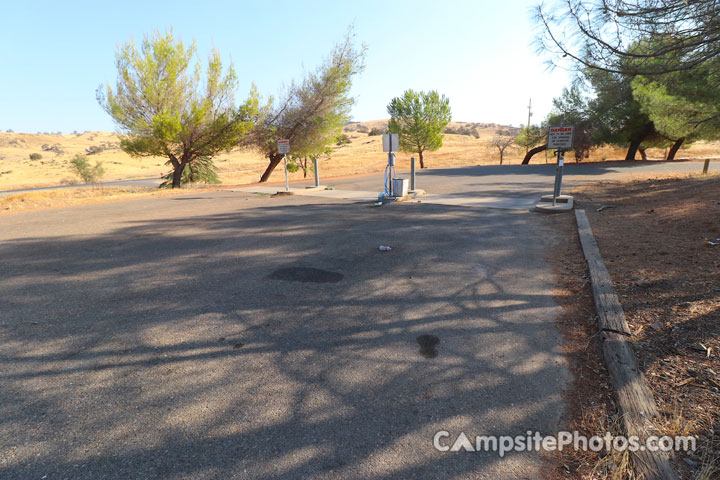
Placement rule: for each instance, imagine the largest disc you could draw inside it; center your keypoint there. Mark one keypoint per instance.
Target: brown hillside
(363, 154)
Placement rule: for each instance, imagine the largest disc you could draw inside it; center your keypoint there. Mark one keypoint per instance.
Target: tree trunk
(633, 148)
(274, 161)
(422, 164)
(643, 154)
(674, 149)
(177, 175)
(501, 157)
(532, 152)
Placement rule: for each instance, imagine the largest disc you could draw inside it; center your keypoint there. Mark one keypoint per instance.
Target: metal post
(317, 173)
(412, 174)
(558, 175)
(287, 185)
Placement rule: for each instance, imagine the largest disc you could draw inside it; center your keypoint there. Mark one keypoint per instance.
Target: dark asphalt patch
(306, 275)
(427, 345)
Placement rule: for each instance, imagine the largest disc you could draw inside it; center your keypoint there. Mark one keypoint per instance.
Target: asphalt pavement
(232, 335)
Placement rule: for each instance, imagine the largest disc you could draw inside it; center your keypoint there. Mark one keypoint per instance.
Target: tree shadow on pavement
(165, 349)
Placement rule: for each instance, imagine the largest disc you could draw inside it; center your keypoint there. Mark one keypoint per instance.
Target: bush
(343, 140)
(35, 156)
(53, 148)
(376, 131)
(88, 174)
(363, 129)
(202, 170)
(93, 149)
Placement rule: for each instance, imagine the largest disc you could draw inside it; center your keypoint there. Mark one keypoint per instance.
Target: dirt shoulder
(70, 197)
(657, 239)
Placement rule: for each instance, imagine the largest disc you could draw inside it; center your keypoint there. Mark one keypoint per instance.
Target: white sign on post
(560, 138)
(283, 146)
(390, 142)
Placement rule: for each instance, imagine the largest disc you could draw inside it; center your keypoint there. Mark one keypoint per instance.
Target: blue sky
(54, 55)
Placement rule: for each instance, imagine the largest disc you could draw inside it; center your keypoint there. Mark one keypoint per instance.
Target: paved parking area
(231, 335)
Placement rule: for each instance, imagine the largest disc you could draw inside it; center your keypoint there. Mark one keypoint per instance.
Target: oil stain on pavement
(427, 345)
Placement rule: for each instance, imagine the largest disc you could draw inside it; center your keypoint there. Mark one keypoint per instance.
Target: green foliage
(572, 108)
(35, 156)
(202, 170)
(305, 162)
(617, 117)
(82, 168)
(162, 108)
(311, 113)
(531, 136)
(293, 167)
(419, 119)
(602, 108)
(343, 139)
(682, 104)
(632, 37)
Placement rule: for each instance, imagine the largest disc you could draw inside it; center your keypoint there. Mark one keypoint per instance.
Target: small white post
(317, 173)
(287, 185)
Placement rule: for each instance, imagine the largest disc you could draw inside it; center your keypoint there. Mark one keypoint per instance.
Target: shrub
(35, 156)
(363, 128)
(202, 170)
(53, 148)
(376, 131)
(343, 140)
(88, 174)
(93, 149)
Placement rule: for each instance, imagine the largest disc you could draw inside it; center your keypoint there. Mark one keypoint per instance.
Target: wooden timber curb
(635, 400)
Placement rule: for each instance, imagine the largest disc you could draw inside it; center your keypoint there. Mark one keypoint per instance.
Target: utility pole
(527, 127)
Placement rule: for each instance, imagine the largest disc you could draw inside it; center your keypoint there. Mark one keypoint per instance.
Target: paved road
(518, 181)
(140, 182)
(488, 181)
(514, 187)
(188, 338)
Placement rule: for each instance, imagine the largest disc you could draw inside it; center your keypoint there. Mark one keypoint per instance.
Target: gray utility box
(400, 187)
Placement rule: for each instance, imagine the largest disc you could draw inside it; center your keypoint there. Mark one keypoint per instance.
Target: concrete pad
(548, 207)
(558, 199)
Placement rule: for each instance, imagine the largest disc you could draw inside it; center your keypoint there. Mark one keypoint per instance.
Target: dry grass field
(362, 155)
